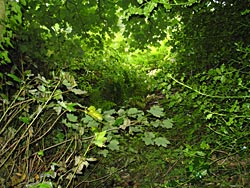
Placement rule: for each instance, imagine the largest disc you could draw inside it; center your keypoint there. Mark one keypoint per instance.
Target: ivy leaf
(100, 139)
(135, 129)
(113, 145)
(72, 117)
(121, 112)
(156, 123)
(161, 141)
(167, 123)
(148, 136)
(156, 111)
(109, 112)
(94, 113)
(109, 118)
(132, 112)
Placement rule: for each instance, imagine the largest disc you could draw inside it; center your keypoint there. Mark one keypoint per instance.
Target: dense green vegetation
(124, 93)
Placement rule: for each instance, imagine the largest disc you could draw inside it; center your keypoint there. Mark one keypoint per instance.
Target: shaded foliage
(124, 93)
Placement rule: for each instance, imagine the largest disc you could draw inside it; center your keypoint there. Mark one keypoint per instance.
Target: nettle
(39, 123)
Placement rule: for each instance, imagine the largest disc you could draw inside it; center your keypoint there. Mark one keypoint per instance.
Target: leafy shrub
(39, 124)
(211, 112)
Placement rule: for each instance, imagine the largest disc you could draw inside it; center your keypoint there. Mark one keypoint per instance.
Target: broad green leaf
(58, 95)
(94, 113)
(109, 118)
(90, 122)
(40, 153)
(121, 112)
(148, 136)
(156, 111)
(72, 117)
(140, 1)
(25, 120)
(135, 129)
(100, 139)
(161, 141)
(109, 112)
(148, 141)
(132, 112)
(119, 121)
(156, 123)
(167, 123)
(40, 185)
(113, 145)
(209, 116)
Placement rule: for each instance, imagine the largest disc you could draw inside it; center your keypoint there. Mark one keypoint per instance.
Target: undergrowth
(111, 118)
